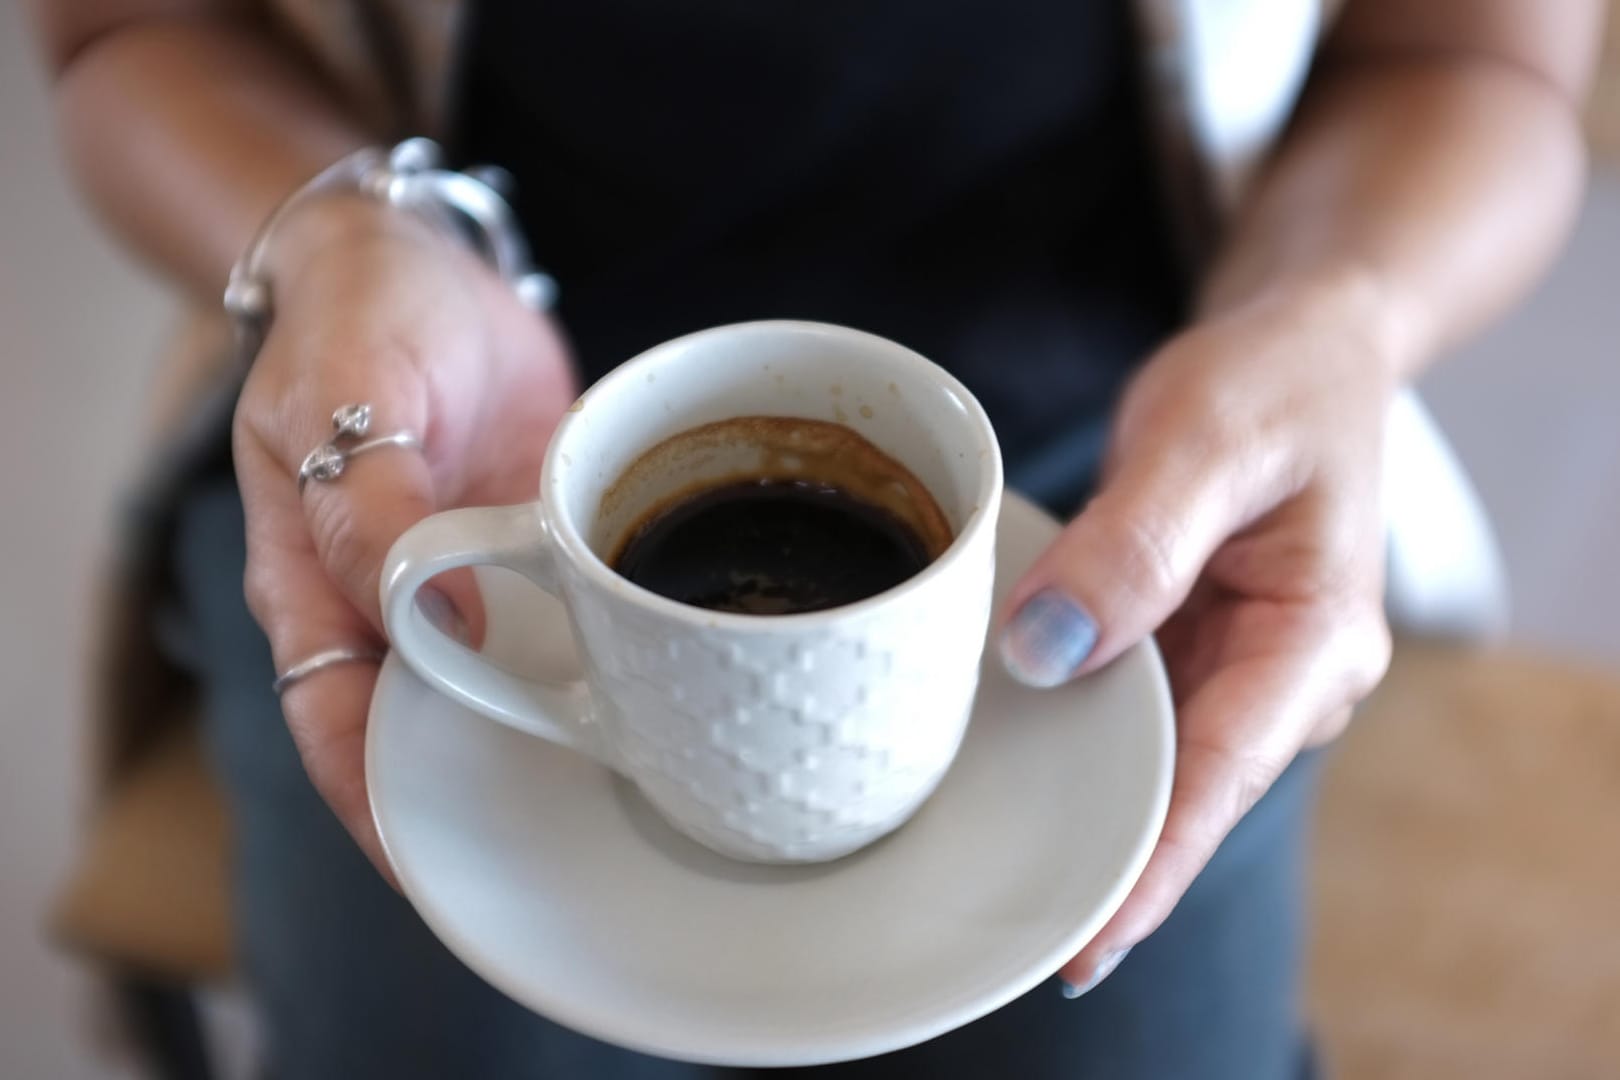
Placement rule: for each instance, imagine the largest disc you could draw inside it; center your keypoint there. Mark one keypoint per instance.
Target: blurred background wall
(1532, 410)
(79, 330)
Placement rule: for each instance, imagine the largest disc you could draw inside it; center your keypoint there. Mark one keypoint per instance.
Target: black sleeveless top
(968, 178)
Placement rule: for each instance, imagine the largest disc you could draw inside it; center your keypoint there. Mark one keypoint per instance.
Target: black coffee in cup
(772, 547)
(825, 519)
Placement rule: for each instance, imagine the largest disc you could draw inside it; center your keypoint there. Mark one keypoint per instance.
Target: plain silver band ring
(321, 660)
(327, 461)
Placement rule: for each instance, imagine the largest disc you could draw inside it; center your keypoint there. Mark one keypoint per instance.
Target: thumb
(1121, 567)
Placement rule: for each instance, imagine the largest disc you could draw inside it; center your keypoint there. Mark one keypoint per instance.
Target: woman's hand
(373, 306)
(1238, 517)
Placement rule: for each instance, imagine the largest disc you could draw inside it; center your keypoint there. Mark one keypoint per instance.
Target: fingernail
(442, 614)
(1047, 640)
(1103, 970)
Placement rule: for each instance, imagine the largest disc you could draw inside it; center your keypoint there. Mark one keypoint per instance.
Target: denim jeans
(352, 984)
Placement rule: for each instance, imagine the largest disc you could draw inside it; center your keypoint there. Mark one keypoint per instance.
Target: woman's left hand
(1239, 517)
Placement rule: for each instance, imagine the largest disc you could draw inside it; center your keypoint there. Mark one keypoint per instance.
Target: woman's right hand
(374, 306)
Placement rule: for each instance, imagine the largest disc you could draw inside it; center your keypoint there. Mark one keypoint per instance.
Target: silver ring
(305, 668)
(327, 461)
(352, 421)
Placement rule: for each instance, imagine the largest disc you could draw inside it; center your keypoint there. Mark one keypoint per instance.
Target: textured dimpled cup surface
(779, 738)
(799, 742)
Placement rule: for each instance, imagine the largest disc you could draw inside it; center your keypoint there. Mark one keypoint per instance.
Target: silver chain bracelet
(409, 177)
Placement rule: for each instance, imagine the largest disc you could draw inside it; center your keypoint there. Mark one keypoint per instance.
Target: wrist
(400, 199)
(1348, 301)
(339, 224)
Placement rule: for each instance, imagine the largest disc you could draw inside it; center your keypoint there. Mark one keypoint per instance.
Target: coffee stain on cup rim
(781, 448)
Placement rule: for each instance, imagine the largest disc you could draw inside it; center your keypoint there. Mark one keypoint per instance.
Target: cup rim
(565, 534)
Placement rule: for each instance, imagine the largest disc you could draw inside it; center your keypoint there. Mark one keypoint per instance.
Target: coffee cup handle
(511, 536)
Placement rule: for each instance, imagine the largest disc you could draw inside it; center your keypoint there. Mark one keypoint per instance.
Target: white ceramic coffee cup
(791, 738)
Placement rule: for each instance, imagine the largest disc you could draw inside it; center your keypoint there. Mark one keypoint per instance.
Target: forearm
(1426, 189)
(186, 132)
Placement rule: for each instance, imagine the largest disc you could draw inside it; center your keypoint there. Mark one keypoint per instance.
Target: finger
(1124, 564)
(1217, 781)
(1236, 733)
(326, 714)
(355, 518)
(302, 614)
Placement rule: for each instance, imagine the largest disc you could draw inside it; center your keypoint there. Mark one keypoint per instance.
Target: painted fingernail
(1103, 970)
(1048, 640)
(443, 614)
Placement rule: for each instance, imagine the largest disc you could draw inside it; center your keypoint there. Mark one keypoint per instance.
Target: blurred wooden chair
(1467, 874)
(148, 901)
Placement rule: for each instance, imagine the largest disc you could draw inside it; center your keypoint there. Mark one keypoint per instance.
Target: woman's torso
(969, 179)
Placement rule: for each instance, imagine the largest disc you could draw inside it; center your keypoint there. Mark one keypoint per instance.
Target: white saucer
(552, 879)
